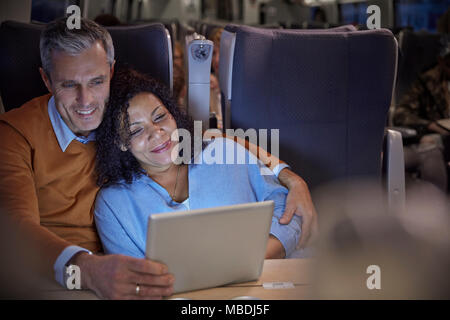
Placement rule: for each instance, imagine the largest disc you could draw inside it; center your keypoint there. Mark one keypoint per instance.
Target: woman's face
(151, 126)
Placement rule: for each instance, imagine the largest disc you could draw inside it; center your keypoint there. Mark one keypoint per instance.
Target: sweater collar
(63, 133)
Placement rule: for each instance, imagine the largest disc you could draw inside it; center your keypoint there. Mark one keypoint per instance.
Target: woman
(138, 176)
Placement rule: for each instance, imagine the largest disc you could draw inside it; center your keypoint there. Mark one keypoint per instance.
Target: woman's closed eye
(135, 132)
(159, 117)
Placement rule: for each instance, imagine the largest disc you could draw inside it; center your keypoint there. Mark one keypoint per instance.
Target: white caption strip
(278, 285)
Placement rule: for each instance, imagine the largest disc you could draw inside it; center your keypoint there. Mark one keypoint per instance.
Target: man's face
(80, 85)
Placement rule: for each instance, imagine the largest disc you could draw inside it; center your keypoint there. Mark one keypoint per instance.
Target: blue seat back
(143, 47)
(419, 51)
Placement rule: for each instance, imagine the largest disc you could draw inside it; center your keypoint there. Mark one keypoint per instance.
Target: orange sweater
(48, 193)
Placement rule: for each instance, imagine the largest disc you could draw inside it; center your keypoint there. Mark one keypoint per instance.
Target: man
(423, 105)
(47, 178)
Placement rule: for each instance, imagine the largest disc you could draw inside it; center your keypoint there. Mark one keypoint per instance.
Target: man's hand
(116, 277)
(299, 202)
(433, 126)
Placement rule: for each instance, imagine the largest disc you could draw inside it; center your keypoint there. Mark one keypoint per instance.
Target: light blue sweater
(122, 210)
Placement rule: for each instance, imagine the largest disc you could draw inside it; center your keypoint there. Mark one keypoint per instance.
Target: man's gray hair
(56, 36)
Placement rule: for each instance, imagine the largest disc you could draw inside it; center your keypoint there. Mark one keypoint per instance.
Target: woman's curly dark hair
(113, 164)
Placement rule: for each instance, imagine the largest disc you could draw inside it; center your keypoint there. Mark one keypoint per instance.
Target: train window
(353, 13)
(419, 14)
(48, 10)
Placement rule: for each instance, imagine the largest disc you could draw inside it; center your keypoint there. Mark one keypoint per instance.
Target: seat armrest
(395, 170)
(405, 131)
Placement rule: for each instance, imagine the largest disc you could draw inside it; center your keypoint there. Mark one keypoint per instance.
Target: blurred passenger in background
(427, 102)
(179, 81)
(107, 20)
(320, 15)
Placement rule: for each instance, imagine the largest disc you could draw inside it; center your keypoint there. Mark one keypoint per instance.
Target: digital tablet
(211, 247)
